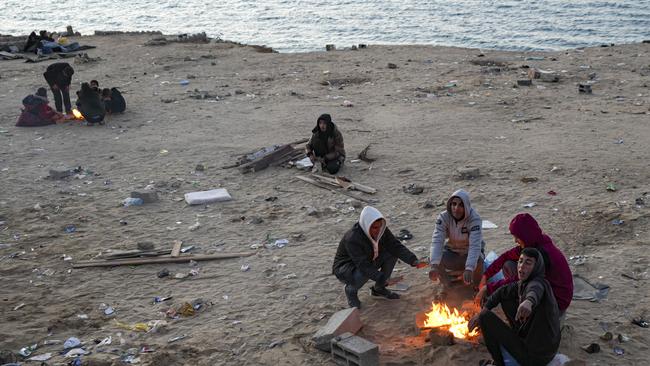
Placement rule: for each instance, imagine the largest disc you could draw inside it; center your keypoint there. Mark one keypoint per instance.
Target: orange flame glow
(441, 317)
(77, 114)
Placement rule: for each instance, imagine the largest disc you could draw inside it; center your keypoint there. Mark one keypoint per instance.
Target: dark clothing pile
(536, 340)
(355, 251)
(59, 76)
(116, 104)
(36, 113)
(327, 145)
(91, 106)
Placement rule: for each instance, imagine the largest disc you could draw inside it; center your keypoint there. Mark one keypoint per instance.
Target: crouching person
(369, 251)
(325, 147)
(533, 336)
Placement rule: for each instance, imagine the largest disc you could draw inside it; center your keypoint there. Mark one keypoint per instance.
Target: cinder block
(347, 320)
(468, 173)
(147, 196)
(350, 350)
(584, 88)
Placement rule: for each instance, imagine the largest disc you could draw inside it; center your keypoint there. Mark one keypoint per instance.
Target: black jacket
(355, 251)
(54, 75)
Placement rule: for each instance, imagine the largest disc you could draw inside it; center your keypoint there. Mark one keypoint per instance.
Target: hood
(32, 101)
(464, 196)
(369, 215)
(538, 269)
(524, 227)
(330, 125)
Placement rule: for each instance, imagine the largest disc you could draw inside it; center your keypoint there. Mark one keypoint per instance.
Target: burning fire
(441, 317)
(77, 114)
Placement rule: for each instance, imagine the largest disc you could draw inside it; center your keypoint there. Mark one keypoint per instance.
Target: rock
(312, 211)
(413, 188)
(347, 320)
(439, 337)
(584, 88)
(200, 168)
(468, 173)
(147, 196)
(428, 204)
(391, 65)
(256, 220)
(524, 82)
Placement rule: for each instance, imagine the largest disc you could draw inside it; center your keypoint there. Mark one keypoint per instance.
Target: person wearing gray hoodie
(369, 251)
(457, 243)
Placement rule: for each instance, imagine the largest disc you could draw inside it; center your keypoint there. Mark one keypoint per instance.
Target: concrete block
(347, 320)
(468, 173)
(60, 173)
(350, 350)
(584, 88)
(524, 82)
(147, 196)
(549, 76)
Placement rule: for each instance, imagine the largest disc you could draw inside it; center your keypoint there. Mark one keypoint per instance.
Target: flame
(441, 316)
(77, 114)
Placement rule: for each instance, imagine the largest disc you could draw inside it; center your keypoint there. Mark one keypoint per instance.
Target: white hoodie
(369, 215)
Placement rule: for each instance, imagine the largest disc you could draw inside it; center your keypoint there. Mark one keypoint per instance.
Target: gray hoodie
(463, 237)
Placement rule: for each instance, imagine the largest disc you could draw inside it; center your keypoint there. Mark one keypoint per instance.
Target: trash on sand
(109, 311)
(26, 351)
(607, 336)
(159, 299)
(640, 321)
(177, 338)
(276, 343)
(106, 341)
(530, 205)
(552, 193)
(617, 222)
(43, 357)
(245, 267)
(304, 164)
(529, 179)
(130, 201)
(137, 327)
(203, 197)
(187, 249)
(70, 229)
(401, 287)
(404, 234)
(163, 272)
(583, 290)
(413, 188)
(622, 338)
(71, 342)
(184, 82)
(592, 348)
(619, 351)
(611, 187)
(75, 352)
(487, 224)
(281, 243)
(19, 306)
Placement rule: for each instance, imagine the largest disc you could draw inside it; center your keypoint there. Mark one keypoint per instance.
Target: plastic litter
(617, 222)
(130, 201)
(26, 351)
(106, 341)
(304, 164)
(177, 338)
(404, 234)
(158, 299)
(245, 267)
(281, 243)
(75, 352)
(640, 322)
(70, 229)
(43, 357)
(184, 82)
(611, 187)
(487, 224)
(592, 348)
(71, 342)
(163, 273)
(109, 311)
(619, 351)
(530, 205)
(203, 197)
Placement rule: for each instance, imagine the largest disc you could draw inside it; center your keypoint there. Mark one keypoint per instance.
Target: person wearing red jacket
(528, 234)
(37, 112)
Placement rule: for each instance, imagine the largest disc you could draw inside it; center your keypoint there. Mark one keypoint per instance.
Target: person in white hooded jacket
(369, 251)
(457, 243)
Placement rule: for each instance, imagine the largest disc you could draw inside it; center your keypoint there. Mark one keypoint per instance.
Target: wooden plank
(324, 186)
(137, 253)
(176, 248)
(265, 161)
(138, 261)
(351, 185)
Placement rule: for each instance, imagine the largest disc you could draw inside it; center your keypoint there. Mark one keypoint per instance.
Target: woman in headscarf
(90, 104)
(533, 336)
(326, 145)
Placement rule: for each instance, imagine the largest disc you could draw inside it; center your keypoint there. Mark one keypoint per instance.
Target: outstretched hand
(421, 264)
(480, 297)
(473, 323)
(524, 311)
(468, 276)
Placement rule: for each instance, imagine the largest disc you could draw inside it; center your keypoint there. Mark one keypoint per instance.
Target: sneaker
(383, 292)
(353, 299)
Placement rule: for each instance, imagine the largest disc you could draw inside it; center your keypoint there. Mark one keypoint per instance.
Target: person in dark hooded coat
(533, 336)
(59, 77)
(90, 104)
(326, 145)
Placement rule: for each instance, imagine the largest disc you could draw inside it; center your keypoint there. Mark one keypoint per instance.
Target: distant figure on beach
(90, 104)
(457, 244)
(369, 251)
(37, 112)
(533, 336)
(527, 233)
(113, 100)
(34, 41)
(326, 145)
(59, 76)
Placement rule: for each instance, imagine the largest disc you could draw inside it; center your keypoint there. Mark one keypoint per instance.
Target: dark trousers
(332, 166)
(453, 261)
(61, 97)
(355, 279)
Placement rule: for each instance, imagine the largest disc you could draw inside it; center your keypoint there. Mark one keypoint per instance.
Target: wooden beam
(176, 248)
(352, 185)
(266, 160)
(138, 261)
(324, 186)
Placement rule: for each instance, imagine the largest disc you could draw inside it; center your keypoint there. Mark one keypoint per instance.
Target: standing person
(527, 233)
(37, 112)
(369, 251)
(325, 147)
(59, 76)
(534, 335)
(457, 243)
(90, 104)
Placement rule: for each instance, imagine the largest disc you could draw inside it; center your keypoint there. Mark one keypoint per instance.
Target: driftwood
(266, 160)
(363, 155)
(330, 188)
(243, 160)
(137, 253)
(344, 183)
(176, 248)
(138, 261)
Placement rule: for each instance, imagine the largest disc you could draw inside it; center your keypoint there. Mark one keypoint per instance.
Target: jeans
(61, 96)
(355, 279)
(456, 262)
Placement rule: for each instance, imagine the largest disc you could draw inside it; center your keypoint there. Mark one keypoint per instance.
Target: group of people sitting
(93, 103)
(534, 293)
(44, 43)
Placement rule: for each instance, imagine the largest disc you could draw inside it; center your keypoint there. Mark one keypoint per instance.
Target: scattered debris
(611, 187)
(413, 188)
(203, 197)
(584, 88)
(530, 205)
(468, 173)
(529, 179)
(363, 155)
(592, 348)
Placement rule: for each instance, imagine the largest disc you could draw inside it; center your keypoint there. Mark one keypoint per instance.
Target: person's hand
(468, 276)
(433, 273)
(472, 323)
(394, 280)
(479, 299)
(483, 282)
(524, 311)
(419, 264)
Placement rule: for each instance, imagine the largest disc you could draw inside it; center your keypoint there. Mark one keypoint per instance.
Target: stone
(256, 220)
(348, 349)
(147, 196)
(468, 173)
(392, 65)
(199, 168)
(584, 88)
(312, 211)
(60, 173)
(428, 204)
(440, 337)
(330, 47)
(346, 320)
(524, 82)
(548, 76)
(145, 245)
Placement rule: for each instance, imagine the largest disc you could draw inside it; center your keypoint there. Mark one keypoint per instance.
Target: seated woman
(37, 112)
(90, 105)
(113, 100)
(533, 336)
(326, 145)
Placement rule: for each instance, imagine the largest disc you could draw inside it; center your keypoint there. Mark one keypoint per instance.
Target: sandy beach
(438, 110)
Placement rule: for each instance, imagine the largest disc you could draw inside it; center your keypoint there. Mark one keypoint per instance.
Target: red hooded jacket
(558, 273)
(36, 113)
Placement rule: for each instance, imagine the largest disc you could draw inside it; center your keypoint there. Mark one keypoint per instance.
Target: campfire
(441, 318)
(77, 114)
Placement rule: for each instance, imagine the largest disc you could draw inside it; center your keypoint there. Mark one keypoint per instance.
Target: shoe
(353, 298)
(383, 292)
